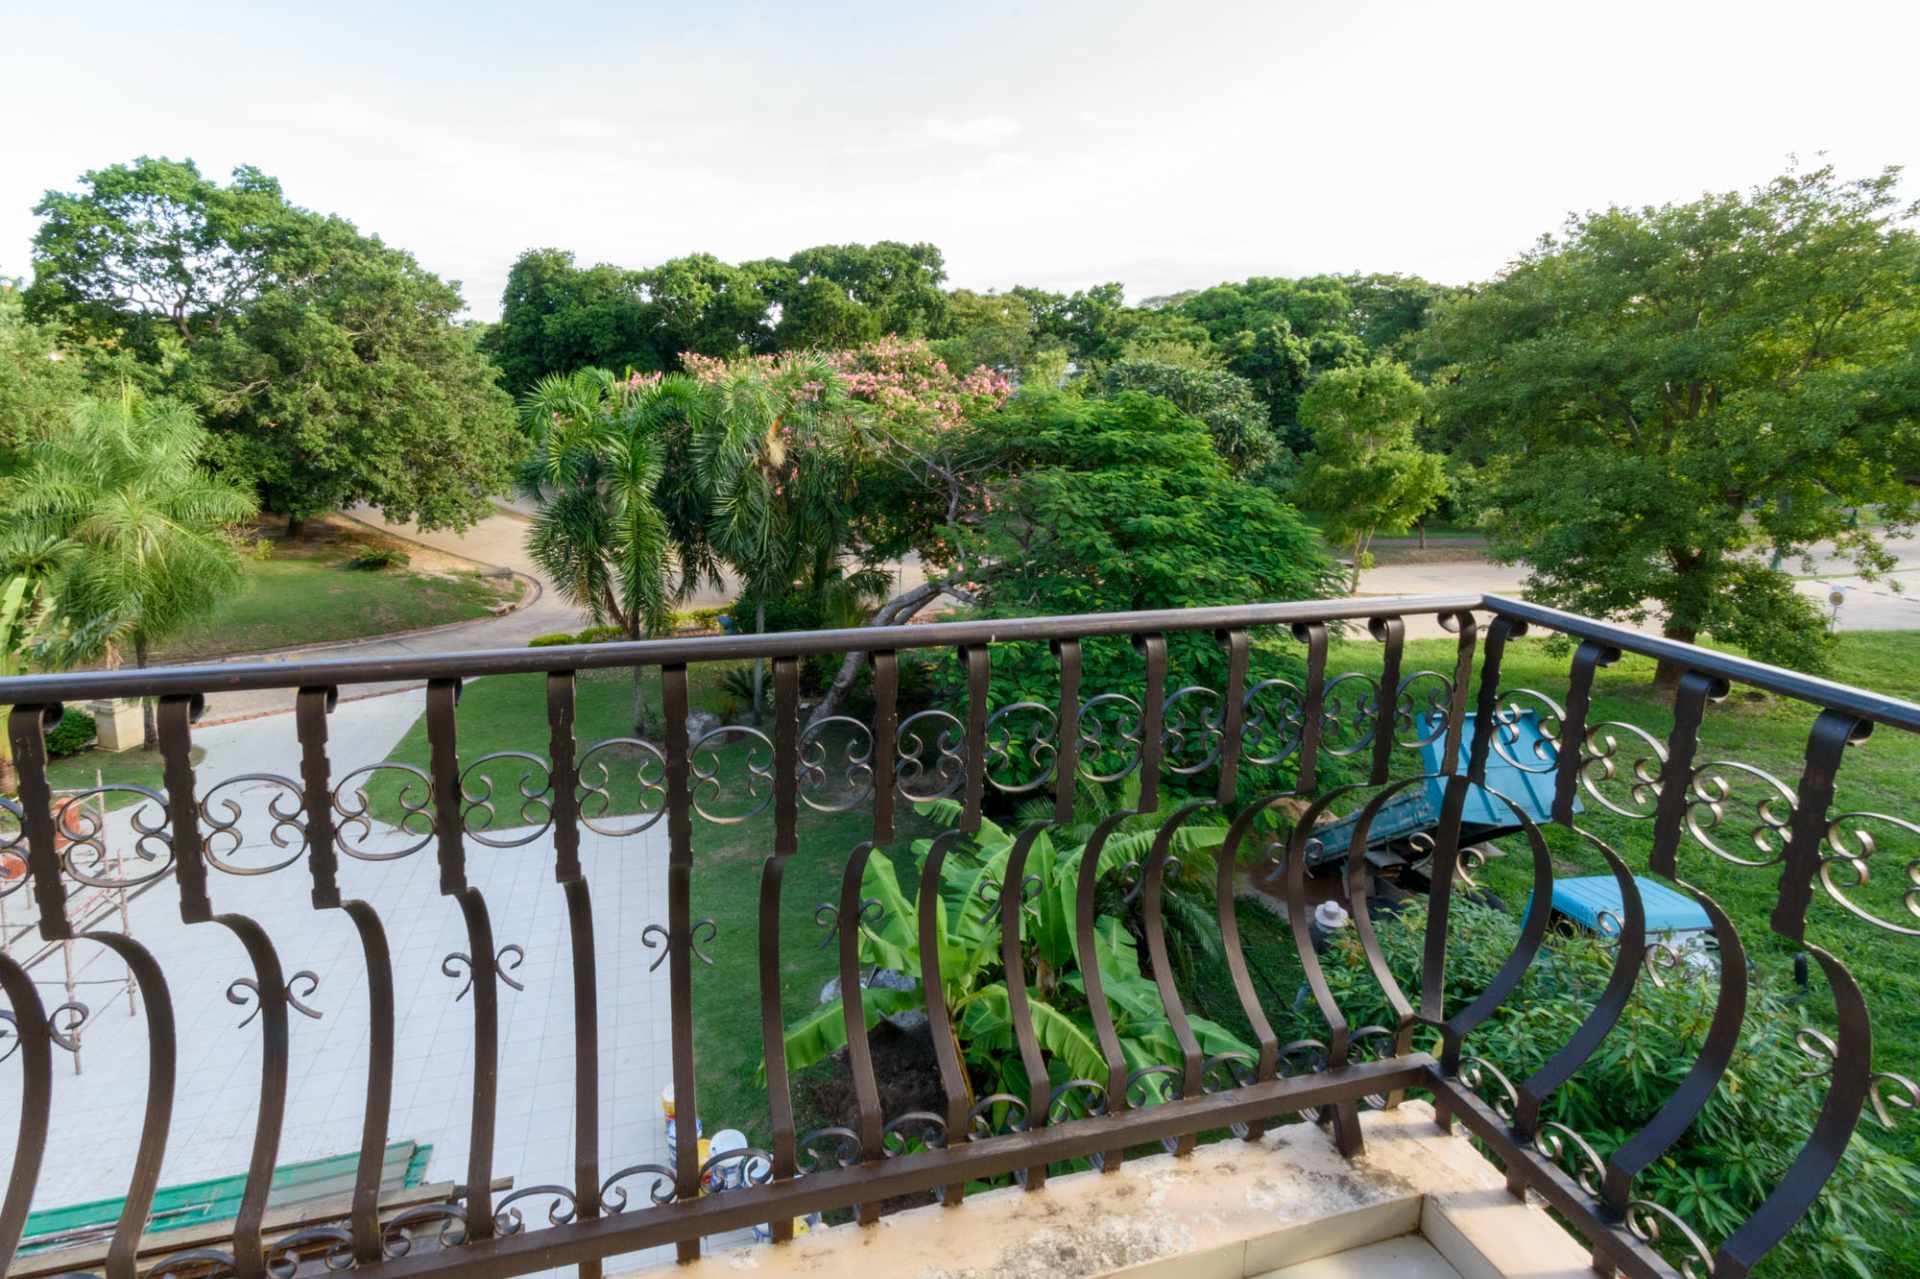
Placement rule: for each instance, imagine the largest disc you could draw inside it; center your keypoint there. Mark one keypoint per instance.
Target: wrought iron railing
(1188, 748)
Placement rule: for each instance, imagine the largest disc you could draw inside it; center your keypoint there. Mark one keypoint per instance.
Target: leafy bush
(592, 635)
(554, 640)
(375, 559)
(73, 734)
(1742, 1143)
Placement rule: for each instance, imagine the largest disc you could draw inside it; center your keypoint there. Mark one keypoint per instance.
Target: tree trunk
(294, 526)
(759, 663)
(1353, 582)
(1666, 676)
(901, 608)
(150, 729)
(1421, 527)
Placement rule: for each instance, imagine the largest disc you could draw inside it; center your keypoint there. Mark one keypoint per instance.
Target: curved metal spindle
(1013, 896)
(1851, 1078)
(1533, 933)
(36, 1099)
(673, 701)
(162, 1055)
(311, 709)
(1153, 879)
(869, 1122)
(1313, 707)
(1466, 627)
(27, 732)
(564, 774)
(176, 716)
(1392, 634)
(953, 1071)
(443, 696)
(1628, 957)
(1345, 1114)
(773, 1033)
(1446, 850)
(1356, 881)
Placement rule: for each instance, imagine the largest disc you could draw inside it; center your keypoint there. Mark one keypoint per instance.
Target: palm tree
(595, 469)
(780, 525)
(134, 533)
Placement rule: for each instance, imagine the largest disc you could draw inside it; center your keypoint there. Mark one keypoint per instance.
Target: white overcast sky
(1166, 145)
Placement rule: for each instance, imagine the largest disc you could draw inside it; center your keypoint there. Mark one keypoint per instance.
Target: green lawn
(307, 595)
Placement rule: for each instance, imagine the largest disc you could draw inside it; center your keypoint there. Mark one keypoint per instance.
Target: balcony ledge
(1289, 1206)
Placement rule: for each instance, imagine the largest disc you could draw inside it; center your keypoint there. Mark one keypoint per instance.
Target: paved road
(1869, 606)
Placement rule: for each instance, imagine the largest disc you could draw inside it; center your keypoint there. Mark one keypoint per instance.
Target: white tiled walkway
(96, 1114)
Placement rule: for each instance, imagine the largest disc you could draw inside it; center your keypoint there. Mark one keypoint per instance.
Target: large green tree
(133, 531)
(1224, 401)
(840, 295)
(556, 317)
(332, 369)
(38, 381)
(1660, 397)
(1366, 472)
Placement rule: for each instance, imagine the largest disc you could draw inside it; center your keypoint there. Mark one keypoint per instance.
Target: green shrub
(1742, 1143)
(600, 635)
(554, 640)
(73, 734)
(375, 559)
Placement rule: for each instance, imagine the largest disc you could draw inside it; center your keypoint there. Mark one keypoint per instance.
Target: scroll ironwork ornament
(200, 1263)
(1022, 747)
(1193, 722)
(923, 1126)
(1077, 1098)
(996, 1115)
(1479, 1074)
(827, 916)
(656, 937)
(1541, 754)
(1710, 801)
(285, 1255)
(245, 990)
(854, 765)
(507, 1218)
(661, 1191)
(354, 831)
(1110, 737)
(1636, 794)
(506, 961)
(830, 1147)
(398, 1233)
(480, 819)
(13, 849)
(221, 814)
(1421, 708)
(1846, 867)
(1273, 721)
(1886, 1091)
(1649, 1223)
(1349, 713)
(81, 834)
(64, 1024)
(929, 763)
(1563, 1146)
(597, 801)
(756, 773)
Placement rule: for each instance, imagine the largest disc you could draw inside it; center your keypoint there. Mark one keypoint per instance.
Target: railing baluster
(1392, 634)
(311, 709)
(869, 1123)
(36, 1102)
(176, 716)
(673, 701)
(953, 1076)
(564, 782)
(1313, 704)
(27, 730)
(773, 1030)
(443, 754)
(1570, 756)
(1467, 628)
(1833, 731)
(1676, 775)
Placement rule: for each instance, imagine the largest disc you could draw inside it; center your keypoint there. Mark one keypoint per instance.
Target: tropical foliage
(968, 928)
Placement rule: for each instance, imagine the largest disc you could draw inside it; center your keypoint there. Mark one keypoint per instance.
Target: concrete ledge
(1229, 1211)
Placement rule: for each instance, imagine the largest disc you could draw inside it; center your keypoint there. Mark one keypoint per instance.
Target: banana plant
(967, 926)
